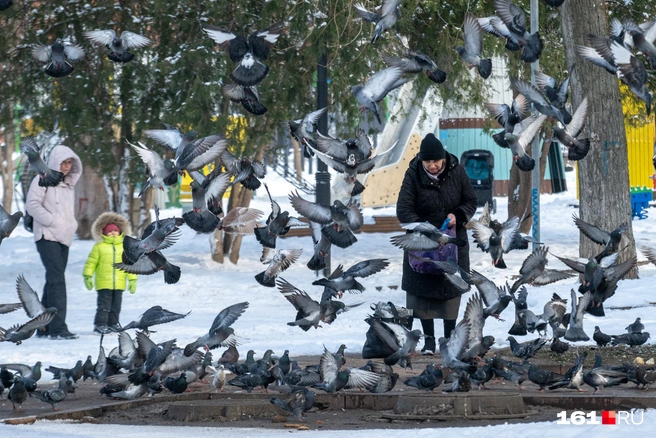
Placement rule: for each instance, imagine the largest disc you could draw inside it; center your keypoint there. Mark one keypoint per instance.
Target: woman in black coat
(435, 187)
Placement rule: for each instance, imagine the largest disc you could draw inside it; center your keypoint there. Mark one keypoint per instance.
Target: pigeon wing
(150, 158)
(531, 131)
(333, 147)
(73, 52)
(482, 235)
(28, 298)
(41, 53)
(366, 268)
(100, 37)
(592, 232)
(134, 40)
(227, 317)
(315, 212)
(578, 119)
(361, 379)
(381, 83)
(473, 35)
(508, 232)
(171, 137)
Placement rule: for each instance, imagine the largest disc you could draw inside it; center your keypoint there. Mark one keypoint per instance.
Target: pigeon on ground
(575, 331)
(636, 327)
(460, 383)
(176, 385)
(334, 379)
(416, 62)
(526, 350)
(452, 349)
(495, 298)
(558, 346)
(424, 236)
(573, 378)
(26, 371)
(153, 316)
(554, 313)
(220, 333)
(577, 147)
(534, 272)
(282, 260)
(299, 401)
(515, 20)
(542, 377)
(388, 377)
(518, 328)
(119, 47)
(609, 240)
(471, 52)
(74, 373)
(54, 395)
(385, 17)
(602, 339)
(600, 378)
(347, 280)
(630, 339)
(339, 220)
(47, 177)
(376, 88)
(396, 338)
(476, 345)
(17, 394)
(304, 130)
(58, 57)
(428, 380)
(249, 97)
(220, 376)
(120, 387)
(508, 117)
(496, 243)
(249, 53)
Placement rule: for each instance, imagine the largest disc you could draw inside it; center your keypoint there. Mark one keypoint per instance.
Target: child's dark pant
(109, 307)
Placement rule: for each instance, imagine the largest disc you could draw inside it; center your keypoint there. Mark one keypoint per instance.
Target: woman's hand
(452, 220)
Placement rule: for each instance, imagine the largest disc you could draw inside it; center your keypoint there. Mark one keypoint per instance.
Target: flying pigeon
(575, 331)
(321, 248)
(153, 316)
(7, 224)
(245, 171)
(538, 99)
(303, 130)
(508, 116)
(424, 237)
(58, 57)
(8, 308)
(347, 280)
(416, 62)
(519, 143)
(577, 147)
(339, 220)
(249, 97)
(164, 235)
(20, 332)
(476, 345)
(610, 240)
(160, 171)
(495, 298)
(496, 243)
(282, 260)
(533, 271)
(119, 47)
(495, 26)
(48, 177)
(376, 88)
(556, 93)
(471, 52)
(220, 333)
(240, 221)
(386, 16)
(515, 20)
(248, 53)
(206, 201)
(277, 224)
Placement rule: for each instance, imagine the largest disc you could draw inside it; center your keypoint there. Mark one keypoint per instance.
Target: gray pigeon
(600, 377)
(534, 272)
(526, 350)
(630, 339)
(496, 243)
(58, 57)
(451, 271)
(573, 377)
(508, 116)
(282, 260)
(454, 347)
(542, 377)
(636, 327)
(334, 379)
(416, 62)
(119, 47)
(386, 16)
(398, 339)
(8, 308)
(153, 316)
(207, 194)
(424, 237)
(321, 248)
(476, 345)
(248, 97)
(495, 298)
(28, 372)
(7, 223)
(577, 147)
(519, 143)
(609, 240)
(428, 380)
(54, 395)
(20, 332)
(245, 171)
(556, 93)
(299, 401)
(471, 52)
(376, 88)
(30, 300)
(164, 235)
(601, 338)
(159, 171)
(539, 101)
(47, 177)
(347, 280)
(304, 130)
(515, 20)
(17, 394)
(220, 333)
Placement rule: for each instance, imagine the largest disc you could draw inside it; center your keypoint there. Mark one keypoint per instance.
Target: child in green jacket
(108, 231)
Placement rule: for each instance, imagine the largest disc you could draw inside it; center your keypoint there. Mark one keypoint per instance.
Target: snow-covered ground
(206, 287)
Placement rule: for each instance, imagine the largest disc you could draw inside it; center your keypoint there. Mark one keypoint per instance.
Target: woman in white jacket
(53, 210)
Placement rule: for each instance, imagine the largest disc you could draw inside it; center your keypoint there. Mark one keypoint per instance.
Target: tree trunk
(91, 201)
(7, 165)
(603, 178)
(216, 242)
(298, 160)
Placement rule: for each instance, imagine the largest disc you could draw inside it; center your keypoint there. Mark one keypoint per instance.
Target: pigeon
(220, 333)
(176, 385)
(643, 39)
(47, 177)
(424, 236)
(30, 301)
(277, 224)
(558, 346)
(495, 298)
(248, 53)
(207, 193)
(525, 350)
(321, 248)
(245, 171)
(58, 57)
(460, 383)
(452, 349)
(567, 136)
(20, 332)
(636, 327)
(54, 395)
(164, 235)
(495, 26)
(519, 143)
(533, 271)
(339, 220)
(160, 172)
(299, 401)
(26, 371)
(5, 4)
(496, 243)
(74, 373)
(451, 271)
(386, 16)
(347, 280)
(519, 328)
(556, 93)
(119, 47)
(334, 379)
(573, 378)
(220, 376)
(542, 378)
(610, 240)
(376, 88)
(508, 117)
(8, 308)
(150, 263)
(538, 100)
(249, 97)
(388, 377)
(554, 314)
(575, 331)
(599, 378)
(153, 316)
(630, 339)
(471, 52)
(396, 338)
(120, 387)
(282, 260)
(17, 394)
(303, 130)
(602, 339)
(476, 345)
(416, 62)
(515, 20)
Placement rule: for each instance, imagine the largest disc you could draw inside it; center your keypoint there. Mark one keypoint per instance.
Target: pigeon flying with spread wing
(577, 148)
(58, 57)
(119, 47)
(416, 62)
(48, 177)
(220, 333)
(471, 52)
(249, 97)
(8, 223)
(376, 88)
(386, 16)
(303, 130)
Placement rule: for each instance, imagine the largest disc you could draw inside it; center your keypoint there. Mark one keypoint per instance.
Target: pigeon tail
(59, 71)
(268, 282)
(511, 46)
(51, 179)
(500, 264)
(554, 4)
(575, 334)
(120, 57)
(517, 329)
(596, 310)
(251, 183)
(485, 68)
(579, 149)
(203, 222)
(265, 238)
(342, 239)
(358, 188)
(393, 359)
(249, 76)
(525, 163)
(533, 48)
(282, 404)
(171, 274)
(437, 76)
(254, 107)
(500, 139)
(317, 263)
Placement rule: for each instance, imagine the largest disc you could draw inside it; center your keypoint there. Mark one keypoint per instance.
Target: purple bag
(441, 254)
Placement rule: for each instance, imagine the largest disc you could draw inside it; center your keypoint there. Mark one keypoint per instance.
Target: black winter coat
(423, 200)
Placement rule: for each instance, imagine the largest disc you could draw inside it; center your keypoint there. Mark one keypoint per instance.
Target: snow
(206, 287)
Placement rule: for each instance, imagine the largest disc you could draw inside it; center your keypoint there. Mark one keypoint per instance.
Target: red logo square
(608, 417)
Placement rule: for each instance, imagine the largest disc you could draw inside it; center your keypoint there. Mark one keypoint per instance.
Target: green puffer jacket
(101, 262)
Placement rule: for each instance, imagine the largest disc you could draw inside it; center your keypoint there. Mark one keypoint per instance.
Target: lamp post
(322, 177)
(535, 148)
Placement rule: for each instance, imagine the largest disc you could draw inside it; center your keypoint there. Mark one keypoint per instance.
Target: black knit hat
(431, 149)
